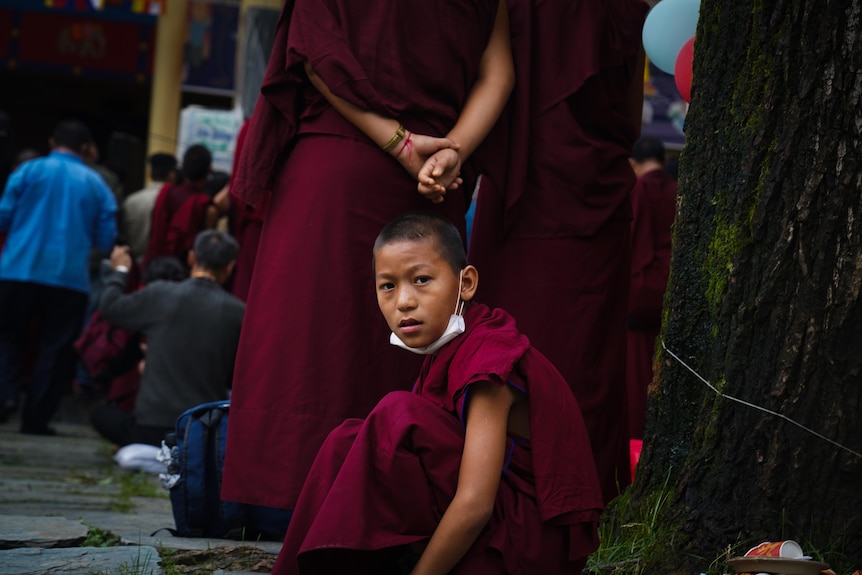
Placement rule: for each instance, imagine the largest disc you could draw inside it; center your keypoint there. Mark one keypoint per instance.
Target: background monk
(465, 474)
(551, 231)
(353, 102)
(182, 209)
(654, 209)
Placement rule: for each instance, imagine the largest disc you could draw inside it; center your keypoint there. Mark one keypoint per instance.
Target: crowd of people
(517, 430)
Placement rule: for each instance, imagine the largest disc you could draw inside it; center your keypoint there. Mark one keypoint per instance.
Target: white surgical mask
(454, 329)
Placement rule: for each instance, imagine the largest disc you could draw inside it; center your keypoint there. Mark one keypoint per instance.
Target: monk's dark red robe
(386, 481)
(178, 216)
(245, 225)
(314, 348)
(654, 208)
(551, 231)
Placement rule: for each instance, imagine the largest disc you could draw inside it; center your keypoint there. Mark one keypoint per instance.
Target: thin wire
(763, 409)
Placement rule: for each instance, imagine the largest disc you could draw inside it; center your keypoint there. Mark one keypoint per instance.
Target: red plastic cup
(788, 549)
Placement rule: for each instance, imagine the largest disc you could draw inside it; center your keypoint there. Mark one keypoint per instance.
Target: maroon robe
(178, 215)
(654, 208)
(245, 224)
(551, 231)
(386, 481)
(314, 349)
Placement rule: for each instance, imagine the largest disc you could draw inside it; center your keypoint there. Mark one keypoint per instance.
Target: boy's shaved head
(416, 226)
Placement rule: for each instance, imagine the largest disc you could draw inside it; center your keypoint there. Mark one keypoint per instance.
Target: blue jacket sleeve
(10, 198)
(106, 223)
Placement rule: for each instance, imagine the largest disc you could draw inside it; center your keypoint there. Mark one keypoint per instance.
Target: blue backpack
(197, 457)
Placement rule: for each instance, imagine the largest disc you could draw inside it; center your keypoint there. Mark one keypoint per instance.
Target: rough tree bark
(763, 299)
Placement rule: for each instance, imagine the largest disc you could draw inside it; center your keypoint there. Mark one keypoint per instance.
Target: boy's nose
(405, 299)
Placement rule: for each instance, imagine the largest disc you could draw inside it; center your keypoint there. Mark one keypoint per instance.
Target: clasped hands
(434, 162)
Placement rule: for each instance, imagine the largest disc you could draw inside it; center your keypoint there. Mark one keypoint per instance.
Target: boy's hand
(416, 149)
(120, 257)
(440, 174)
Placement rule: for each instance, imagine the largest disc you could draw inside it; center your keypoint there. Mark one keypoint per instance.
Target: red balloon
(682, 69)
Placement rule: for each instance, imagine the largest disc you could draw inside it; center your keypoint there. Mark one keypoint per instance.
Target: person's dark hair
(647, 148)
(197, 161)
(161, 166)
(215, 249)
(415, 226)
(168, 268)
(215, 182)
(72, 134)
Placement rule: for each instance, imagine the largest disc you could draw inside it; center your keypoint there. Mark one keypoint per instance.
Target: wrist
(395, 140)
(121, 268)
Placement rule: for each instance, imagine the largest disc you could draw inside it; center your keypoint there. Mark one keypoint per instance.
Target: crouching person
(484, 468)
(191, 330)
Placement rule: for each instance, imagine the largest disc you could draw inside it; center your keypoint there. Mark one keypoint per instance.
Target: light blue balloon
(668, 26)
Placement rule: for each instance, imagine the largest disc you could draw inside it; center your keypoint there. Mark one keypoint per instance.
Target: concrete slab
(72, 480)
(22, 531)
(80, 561)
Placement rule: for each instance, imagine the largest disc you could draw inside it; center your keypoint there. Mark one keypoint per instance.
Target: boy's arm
(483, 107)
(478, 479)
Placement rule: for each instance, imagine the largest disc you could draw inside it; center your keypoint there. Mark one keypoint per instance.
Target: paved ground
(56, 490)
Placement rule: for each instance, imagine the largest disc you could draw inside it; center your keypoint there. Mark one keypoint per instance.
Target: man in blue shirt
(54, 210)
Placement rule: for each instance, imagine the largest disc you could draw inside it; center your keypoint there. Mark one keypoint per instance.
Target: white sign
(215, 129)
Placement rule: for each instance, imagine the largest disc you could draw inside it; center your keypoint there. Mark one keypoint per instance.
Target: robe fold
(314, 348)
(551, 229)
(385, 481)
(654, 208)
(178, 216)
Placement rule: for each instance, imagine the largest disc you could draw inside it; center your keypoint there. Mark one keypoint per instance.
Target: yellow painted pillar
(166, 92)
(260, 4)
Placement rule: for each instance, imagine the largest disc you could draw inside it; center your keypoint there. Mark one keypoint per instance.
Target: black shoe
(46, 431)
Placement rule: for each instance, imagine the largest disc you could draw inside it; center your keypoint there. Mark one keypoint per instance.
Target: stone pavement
(54, 490)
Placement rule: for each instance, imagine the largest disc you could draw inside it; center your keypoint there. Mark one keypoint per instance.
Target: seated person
(192, 331)
(484, 468)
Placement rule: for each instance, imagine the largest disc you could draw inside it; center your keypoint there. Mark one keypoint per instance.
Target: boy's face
(417, 290)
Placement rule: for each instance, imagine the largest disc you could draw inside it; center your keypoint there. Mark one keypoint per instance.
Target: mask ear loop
(459, 305)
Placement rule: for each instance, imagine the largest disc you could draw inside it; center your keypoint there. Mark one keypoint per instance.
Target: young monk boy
(484, 468)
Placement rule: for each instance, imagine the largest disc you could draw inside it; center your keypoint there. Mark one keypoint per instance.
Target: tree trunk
(763, 299)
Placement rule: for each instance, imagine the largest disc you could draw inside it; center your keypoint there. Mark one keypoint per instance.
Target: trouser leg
(16, 303)
(62, 312)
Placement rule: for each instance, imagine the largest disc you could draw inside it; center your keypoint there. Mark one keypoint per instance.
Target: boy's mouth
(409, 324)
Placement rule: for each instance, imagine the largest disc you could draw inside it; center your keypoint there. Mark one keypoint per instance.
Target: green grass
(97, 537)
(635, 536)
(140, 565)
(122, 484)
(629, 536)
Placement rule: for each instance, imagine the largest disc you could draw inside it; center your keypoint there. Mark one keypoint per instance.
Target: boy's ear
(469, 282)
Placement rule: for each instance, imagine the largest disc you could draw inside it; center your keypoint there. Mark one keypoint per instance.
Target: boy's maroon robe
(551, 231)
(314, 349)
(386, 481)
(654, 208)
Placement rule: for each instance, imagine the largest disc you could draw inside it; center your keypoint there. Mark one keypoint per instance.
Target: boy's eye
(422, 279)
(386, 286)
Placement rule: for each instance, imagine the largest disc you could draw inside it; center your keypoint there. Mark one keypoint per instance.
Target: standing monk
(552, 228)
(653, 208)
(353, 103)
